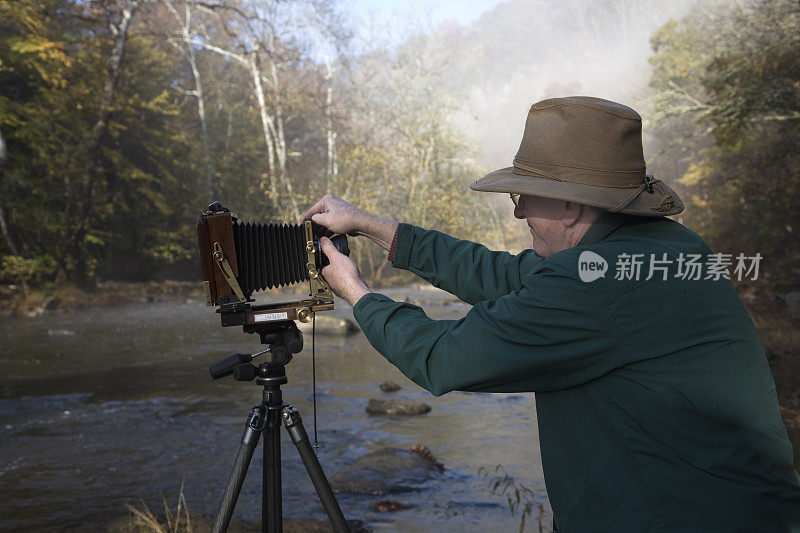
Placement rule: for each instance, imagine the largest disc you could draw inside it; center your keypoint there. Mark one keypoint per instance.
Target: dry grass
(144, 521)
(520, 499)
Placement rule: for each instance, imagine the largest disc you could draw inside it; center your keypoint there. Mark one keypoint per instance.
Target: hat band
(649, 181)
(584, 176)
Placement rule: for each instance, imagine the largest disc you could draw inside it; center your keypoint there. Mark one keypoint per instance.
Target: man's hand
(338, 216)
(342, 274)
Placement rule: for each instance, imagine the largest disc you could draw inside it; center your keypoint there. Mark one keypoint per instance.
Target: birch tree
(262, 36)
(183, 42)
(332, 165)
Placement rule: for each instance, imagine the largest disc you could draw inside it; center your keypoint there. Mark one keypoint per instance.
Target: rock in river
(397, 407)
(390, 386)
(385, 471)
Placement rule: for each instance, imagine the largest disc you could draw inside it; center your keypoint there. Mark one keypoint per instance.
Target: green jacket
(656, 406)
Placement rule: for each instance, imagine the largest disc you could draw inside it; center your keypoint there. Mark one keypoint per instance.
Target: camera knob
(304, 315)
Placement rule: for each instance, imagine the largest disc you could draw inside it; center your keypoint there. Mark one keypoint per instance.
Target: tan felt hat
(584, 150)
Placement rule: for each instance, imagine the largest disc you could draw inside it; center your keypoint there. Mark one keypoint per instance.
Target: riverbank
(36, 301)
(39, 300)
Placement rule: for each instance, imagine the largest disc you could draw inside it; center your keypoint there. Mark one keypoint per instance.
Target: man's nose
(519, 211)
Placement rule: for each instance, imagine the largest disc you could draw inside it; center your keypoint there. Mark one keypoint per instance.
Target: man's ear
(572, 213)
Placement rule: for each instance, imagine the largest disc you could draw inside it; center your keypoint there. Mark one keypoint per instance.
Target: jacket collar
(607, 224)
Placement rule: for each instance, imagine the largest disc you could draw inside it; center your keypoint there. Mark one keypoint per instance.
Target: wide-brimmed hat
(584, 150)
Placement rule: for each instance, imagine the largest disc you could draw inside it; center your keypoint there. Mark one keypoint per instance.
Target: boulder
(390, 386)
(385, 471)
(397, 407)
(388, 506)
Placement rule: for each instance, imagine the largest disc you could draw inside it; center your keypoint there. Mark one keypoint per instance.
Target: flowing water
(104, 407)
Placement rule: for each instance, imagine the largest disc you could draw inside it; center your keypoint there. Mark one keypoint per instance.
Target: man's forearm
(378, 229)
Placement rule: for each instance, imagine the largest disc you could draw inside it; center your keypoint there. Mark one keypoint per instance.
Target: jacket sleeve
(466, 269)
(548, 335)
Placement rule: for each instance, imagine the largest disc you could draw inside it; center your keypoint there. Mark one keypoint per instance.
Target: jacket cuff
(363, 301)
(405, 241)
(393, 247)
(359, 309)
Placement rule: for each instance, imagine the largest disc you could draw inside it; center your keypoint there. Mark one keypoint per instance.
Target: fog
(522, 51)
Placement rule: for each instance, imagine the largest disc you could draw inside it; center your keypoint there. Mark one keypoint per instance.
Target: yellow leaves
(34, 44)
(696, 174)
(42, 54)
(161, 104)
(23, 13)
(94, 239)
(169, 251)
(698, 200)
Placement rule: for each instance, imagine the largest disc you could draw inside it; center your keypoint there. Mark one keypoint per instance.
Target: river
(104, 407)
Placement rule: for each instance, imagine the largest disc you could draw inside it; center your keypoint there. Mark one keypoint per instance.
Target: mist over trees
(123, 118)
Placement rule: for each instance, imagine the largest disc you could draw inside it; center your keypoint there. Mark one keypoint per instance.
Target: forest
(121, 120)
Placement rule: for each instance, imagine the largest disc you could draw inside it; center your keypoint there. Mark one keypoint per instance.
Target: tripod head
(284, 340)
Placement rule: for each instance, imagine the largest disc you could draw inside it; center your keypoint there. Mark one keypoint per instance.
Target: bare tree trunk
(188, 51)
(12, 247)
(268, 127)
(274, 173)
(74, 248)
(279, 135)
(201, 111)
(332, 169)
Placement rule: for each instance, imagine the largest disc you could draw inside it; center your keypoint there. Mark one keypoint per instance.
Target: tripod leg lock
(258, 418)
(256, 423)
(294, 424)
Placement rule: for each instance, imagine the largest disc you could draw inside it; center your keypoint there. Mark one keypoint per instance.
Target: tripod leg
(248, 445)
(294, 425)
(272, 505)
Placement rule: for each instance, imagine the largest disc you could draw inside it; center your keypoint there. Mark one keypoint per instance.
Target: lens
(339, 241)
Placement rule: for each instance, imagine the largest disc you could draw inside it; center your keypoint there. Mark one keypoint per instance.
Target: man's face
(545, 220)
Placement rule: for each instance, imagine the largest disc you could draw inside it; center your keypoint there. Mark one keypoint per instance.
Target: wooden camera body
(239, 258)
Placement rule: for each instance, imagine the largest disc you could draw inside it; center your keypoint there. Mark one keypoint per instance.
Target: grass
(144, 521)
(520, 499)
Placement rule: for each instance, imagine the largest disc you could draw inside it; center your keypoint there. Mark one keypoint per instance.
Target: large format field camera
(239, 258)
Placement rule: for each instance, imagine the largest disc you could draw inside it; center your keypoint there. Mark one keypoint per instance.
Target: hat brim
(663, 201)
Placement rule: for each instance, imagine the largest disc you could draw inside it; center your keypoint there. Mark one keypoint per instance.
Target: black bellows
(269, 255)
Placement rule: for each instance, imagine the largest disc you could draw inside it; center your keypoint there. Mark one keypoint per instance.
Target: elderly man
(656, 406)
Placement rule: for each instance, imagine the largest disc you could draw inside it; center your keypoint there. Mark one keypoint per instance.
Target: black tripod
(284, 339)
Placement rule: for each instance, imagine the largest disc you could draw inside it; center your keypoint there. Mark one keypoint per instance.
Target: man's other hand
(342, 274)
(336, 215)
